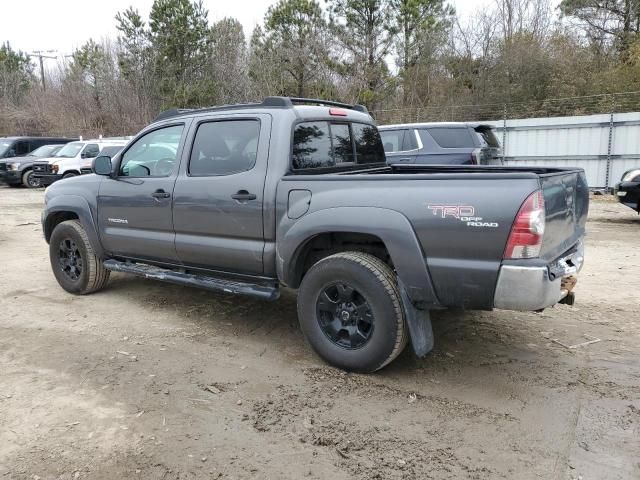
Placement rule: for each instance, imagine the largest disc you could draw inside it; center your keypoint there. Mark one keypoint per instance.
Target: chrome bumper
(534, 288)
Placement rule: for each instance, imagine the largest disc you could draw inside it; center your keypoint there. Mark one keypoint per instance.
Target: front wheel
(74, 263)
(69, 175)
(29, 180)
(350, 311)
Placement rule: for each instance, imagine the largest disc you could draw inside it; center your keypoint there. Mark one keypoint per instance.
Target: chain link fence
(554, 107)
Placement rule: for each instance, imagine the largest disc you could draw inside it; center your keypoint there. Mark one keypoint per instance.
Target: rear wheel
(29, 180)
(74, 263)
(350, 311)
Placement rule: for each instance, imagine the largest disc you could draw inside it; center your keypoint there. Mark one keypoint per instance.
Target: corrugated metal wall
(604, 145)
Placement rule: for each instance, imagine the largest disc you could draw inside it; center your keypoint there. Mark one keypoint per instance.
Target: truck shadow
(462, 338)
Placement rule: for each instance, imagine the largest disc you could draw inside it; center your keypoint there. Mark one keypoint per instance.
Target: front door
(134, 208)
(218, 198)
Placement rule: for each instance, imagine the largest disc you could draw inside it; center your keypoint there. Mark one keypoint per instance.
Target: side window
(152, 155)
(312, 146)
(110, 151)
(392, 140)
(21, 148)
(34, 144)
(409, 141)
(224, 147)
(451, 137)
(368, 144)
(91, 150)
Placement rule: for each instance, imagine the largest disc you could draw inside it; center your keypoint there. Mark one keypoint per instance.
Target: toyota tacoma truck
(291, 192)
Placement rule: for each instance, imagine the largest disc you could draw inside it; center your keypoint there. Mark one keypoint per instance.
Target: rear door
(134, 208)
(219, 195)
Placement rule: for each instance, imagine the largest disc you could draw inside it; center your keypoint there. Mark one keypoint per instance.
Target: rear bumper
(628, 193)
(533, 288)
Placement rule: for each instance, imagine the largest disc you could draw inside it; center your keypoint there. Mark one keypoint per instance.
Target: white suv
(70, 159)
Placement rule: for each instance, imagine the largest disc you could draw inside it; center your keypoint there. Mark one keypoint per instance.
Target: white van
(71, 158)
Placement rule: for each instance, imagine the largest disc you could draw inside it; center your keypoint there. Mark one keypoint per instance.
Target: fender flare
(393, 228)
(80, 207)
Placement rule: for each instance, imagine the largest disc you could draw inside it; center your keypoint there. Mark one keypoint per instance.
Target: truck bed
(461, 216)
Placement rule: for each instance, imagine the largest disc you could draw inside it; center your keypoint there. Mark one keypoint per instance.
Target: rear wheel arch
(323, 245)
(390, 233)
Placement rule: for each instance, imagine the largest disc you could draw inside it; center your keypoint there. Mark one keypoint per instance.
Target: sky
(64, 25)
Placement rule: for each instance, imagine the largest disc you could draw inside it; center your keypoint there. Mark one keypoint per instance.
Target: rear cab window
(335, 145)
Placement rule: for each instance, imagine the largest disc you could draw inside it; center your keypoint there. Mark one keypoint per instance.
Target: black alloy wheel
(70, 259)
(345, 316)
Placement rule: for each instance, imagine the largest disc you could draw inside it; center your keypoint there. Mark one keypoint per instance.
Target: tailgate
(566, 201)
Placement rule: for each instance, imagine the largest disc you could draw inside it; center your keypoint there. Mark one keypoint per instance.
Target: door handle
(243, 195)
(160, 194)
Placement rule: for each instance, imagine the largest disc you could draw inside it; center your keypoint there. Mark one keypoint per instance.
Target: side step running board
(263, 291)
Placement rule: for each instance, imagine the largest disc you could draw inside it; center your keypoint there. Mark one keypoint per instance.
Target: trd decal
(455, 211)
(464, 213)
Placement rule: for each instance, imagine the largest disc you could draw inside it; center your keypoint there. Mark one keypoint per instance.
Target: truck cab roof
(301, 107)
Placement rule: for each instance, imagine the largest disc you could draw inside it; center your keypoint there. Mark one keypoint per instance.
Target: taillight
(338, 112)
(525, 239)
(475, 156)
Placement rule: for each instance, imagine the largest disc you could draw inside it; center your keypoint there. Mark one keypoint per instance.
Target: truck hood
(25, 159)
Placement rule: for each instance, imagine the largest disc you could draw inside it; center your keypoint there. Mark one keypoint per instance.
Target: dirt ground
(147, 380)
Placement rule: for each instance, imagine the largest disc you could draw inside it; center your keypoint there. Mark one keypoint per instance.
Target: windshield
(4, 146)
(70, 150)
(45, 151)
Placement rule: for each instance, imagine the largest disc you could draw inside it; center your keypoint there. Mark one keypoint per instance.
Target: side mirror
(102, 165)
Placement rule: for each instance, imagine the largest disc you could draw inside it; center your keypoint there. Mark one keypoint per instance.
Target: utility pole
(41, 56)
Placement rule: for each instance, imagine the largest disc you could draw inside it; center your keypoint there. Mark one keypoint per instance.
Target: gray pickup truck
(246, 198)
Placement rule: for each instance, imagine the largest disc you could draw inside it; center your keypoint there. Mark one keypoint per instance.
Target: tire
(29, 180)
(74, 263)
(69, 175)
(373, 284)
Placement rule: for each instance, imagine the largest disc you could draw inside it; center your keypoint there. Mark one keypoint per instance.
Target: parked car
(69, 161)
(242, 199)
(16, 171)
(628, 190)
(109, 151)
(441, 144)
(21, 146)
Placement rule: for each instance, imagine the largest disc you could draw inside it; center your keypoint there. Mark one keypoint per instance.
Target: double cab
(293, 192)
